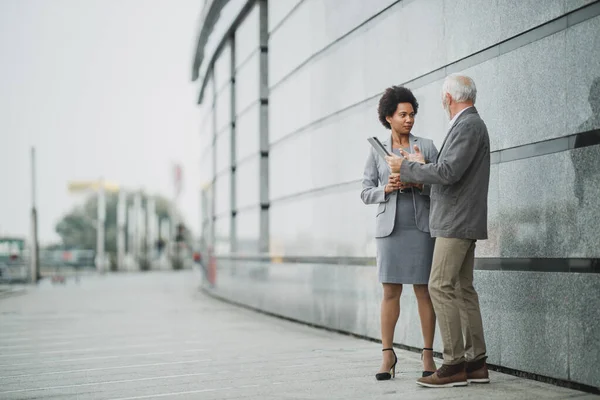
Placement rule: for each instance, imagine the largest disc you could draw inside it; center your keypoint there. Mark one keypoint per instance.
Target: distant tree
(77, 229)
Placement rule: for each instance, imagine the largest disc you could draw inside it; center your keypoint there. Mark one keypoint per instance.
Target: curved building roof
(210, 15)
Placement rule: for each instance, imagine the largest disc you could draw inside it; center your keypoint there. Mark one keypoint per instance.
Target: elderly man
(458, 218)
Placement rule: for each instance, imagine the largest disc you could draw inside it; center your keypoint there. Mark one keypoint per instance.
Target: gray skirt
(405, 255)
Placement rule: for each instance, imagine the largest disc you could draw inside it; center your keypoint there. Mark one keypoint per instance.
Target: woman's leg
(390, 311)
(427, 316)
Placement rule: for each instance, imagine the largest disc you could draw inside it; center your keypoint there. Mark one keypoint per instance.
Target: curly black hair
(389, 102)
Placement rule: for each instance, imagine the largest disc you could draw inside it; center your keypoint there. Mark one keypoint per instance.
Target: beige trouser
(456, 306)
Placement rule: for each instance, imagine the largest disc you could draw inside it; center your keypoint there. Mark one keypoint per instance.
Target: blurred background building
(289, 91)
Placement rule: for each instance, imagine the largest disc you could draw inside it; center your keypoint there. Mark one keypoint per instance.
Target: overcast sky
(100, 88)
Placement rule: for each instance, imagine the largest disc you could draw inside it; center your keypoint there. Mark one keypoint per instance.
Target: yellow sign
(206, 185)
(82, 186)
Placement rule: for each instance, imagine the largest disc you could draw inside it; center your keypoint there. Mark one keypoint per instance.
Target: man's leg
(448, 257)
(472, 325)
(470, 312)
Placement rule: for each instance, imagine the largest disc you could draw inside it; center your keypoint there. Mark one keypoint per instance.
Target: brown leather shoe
(446, 376)
(477, 371)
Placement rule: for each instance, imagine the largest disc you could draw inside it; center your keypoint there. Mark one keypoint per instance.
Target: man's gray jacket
(459, 178)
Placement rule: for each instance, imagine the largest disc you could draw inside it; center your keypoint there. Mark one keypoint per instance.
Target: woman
(404, 245)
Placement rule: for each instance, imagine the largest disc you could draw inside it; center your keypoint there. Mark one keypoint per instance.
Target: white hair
(460, 87)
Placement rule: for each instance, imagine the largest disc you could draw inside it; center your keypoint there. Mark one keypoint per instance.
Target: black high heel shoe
(384, 376)
(426, 373)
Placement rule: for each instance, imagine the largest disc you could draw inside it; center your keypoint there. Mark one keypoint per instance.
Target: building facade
(289, 92)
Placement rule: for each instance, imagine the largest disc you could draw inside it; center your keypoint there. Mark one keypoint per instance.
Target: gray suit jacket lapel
(414, 141)
(388, 144)
(384, 169)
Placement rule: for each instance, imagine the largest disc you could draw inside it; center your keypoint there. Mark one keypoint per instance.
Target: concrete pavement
(154, 335)
(11, 290)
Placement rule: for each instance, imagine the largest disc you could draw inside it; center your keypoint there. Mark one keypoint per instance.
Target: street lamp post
(100, 256)
(150, 228)
(121, 218)
(34, 254)
(137, 233)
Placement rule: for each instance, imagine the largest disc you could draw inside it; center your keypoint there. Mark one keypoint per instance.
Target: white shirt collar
(453, 120)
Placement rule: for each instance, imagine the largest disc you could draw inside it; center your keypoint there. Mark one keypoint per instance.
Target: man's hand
(417, 156)
(394, 162)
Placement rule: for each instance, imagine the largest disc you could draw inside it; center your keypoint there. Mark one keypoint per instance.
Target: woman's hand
(393, 184)
(411, 185)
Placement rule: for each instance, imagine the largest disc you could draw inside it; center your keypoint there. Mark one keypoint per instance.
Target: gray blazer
(376, 176)
(460, 179)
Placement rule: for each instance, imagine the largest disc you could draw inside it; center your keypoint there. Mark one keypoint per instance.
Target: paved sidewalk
(11, 290)
(154, 335)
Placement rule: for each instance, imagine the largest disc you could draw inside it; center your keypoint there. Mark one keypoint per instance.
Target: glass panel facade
(247, 84)
(247, 183)
(223, 194)
(247, 133)
(223, 151)
(223, 108)
(247, 36)
(278, 10)
(223, 235)
(206, 165)
(248, 230)
(333, 223)
(222, 69)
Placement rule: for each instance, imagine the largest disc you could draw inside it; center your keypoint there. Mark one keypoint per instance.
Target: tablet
(379, 148)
